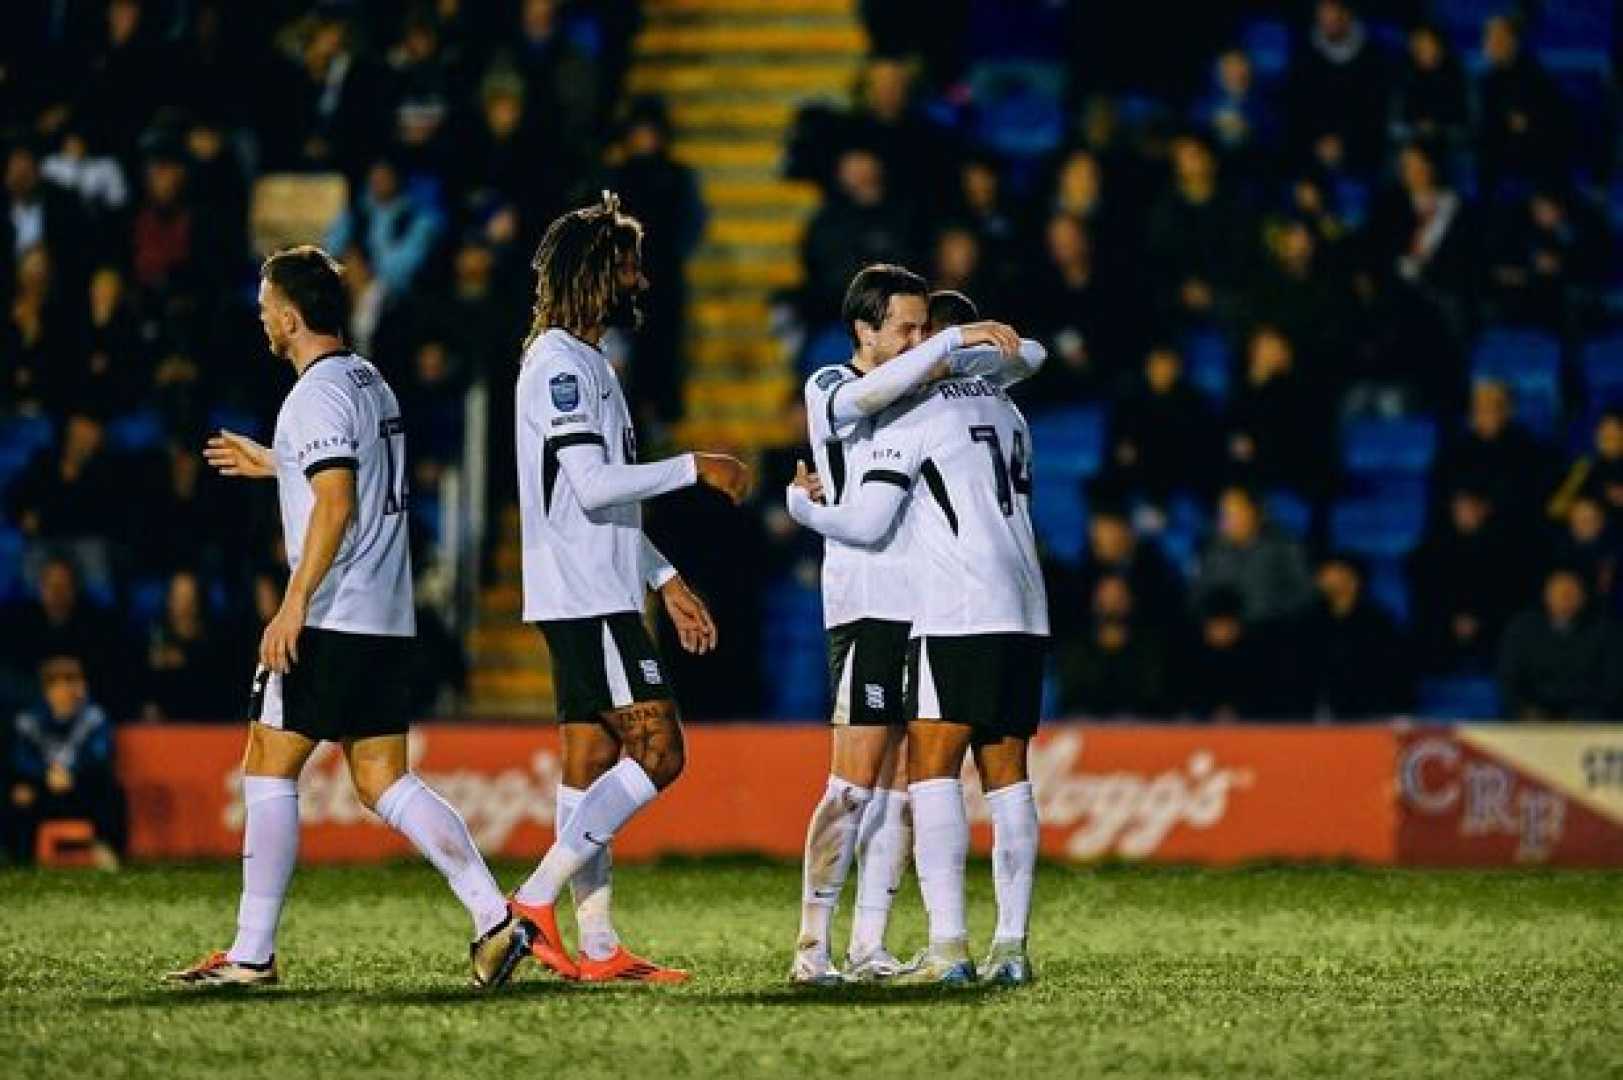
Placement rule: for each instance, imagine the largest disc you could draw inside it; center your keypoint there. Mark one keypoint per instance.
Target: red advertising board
(1165, 792)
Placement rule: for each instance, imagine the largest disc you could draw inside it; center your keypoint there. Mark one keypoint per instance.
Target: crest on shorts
(565, 390)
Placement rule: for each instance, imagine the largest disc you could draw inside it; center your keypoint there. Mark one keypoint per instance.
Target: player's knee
(370, 784)
(664, 764)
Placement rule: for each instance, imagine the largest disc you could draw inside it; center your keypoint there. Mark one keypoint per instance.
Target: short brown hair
(313, 282)
(949, 307)
(868, 297)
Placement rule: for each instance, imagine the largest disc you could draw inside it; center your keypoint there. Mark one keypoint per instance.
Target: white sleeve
(656, 568)
(863, 520)
(857, 399)
(320, 423)
(988, 363)
(597, 484)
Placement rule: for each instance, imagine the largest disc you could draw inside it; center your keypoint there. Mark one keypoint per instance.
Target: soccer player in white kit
(954, 465)
(586, 567)
(868, 600)
(335, 660)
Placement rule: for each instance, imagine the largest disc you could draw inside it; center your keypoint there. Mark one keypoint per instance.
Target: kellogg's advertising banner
(1494, 795)
(1172, 793)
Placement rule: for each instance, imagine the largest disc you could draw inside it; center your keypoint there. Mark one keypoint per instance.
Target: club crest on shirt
(565, 390)
(829, 377)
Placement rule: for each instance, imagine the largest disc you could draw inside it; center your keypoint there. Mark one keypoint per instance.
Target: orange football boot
(548, 947)
(626, 966)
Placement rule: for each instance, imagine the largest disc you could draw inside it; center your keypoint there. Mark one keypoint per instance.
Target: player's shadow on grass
(849, 996)
(228, 996)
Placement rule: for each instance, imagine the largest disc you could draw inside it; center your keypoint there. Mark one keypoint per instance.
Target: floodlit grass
(1267, 972)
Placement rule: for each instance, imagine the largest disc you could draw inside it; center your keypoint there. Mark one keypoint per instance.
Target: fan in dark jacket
(1563, 661)
(1353, 661)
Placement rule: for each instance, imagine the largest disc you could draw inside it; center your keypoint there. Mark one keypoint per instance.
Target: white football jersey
(858, 583)
(963, 451)
(341, 413)
(577, 562)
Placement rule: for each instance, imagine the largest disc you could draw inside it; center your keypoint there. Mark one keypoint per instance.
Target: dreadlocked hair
(575, 266)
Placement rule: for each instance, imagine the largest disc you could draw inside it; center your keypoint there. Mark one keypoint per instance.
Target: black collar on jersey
(854, 369)
(326, 356)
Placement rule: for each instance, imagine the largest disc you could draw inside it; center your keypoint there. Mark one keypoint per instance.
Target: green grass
(1267, 972)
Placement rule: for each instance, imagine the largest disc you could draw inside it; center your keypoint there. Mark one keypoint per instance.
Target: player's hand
(238, 455)
(808, 481)
(725, 473)
(695, 629)
(279, 646)
(997, 334)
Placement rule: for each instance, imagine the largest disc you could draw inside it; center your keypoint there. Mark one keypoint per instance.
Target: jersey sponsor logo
(606, 393)
(569, 418)
(362, 377)
(565, 390)
(650, 672)
(874, 695)
(829, 378)
(969, 389)
(885, 453)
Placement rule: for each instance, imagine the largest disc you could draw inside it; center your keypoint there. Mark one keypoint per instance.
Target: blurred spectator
(561, 83)
(1079, 192)
(1352, 659)
(957, 265)
(1164, 437)
(1236, 115)
(187, 516)
(112, 371)
(915, 152)
(1467, 578)
(69, 492)
(1338, 88)
(422, 92)
(394, 225)
(1564, 660)
(190, 671)
(664, 195)
(1227, 673)
(1425, 230)
(332, 117)
(96, 178)
(1304, 297)
(1070, 307)
(983, 202)
(127, 74)
(1275, 423)
(166, 232)
(1116, 667)
(62, 765)
(1115, 551)
(1523, 132)
(57, 622)
(1548, 249)
(34, 214)
(1200, 239)
(35, 335)
(502, 160)
(1600, 471)
(1430, 103)
(1254, 560)
(431, 401)
(369, 305)
(858, 224)
(1590, 544)
(1498, 455)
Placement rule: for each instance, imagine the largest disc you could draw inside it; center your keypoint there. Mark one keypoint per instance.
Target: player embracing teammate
(945, 585)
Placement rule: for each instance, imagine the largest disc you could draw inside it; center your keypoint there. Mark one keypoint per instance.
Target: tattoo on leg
(651, 734)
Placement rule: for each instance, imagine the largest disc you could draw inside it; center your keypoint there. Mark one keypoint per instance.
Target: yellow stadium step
(772, 115)
(755, 232)
(657, 8)
(675, 79)
(507, 641)
(504, 598)
(728, 153)
(735, 432)
(722, 194)
(743, 354)
(719, 270)
(762, 395)
(732, 314)
(710, 39)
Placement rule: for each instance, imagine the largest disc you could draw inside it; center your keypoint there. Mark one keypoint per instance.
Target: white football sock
(438, 831)
(884, 844)
(270, 847)
(1014, 857)
(831, 840)
(591, 888)
(608, 804)
(940, 846)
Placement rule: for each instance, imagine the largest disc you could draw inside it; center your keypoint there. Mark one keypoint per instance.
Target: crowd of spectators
(133, 132)
(1244, 233)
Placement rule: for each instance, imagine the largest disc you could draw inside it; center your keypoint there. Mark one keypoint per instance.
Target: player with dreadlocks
(586, 566)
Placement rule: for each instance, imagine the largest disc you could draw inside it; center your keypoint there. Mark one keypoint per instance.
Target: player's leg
(1002, 767)
(884, 848)
(271, 765)
(606, 668)
(589, 750)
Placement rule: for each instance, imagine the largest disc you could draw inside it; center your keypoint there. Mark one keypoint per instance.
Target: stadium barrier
(1478, 795)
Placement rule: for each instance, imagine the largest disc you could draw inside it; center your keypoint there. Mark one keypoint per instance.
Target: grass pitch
(1144, 972)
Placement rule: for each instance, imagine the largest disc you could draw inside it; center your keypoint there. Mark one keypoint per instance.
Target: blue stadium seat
(1019, 114)
(1601, 363)
(144, 602)
(793, 645)
(1529, 361)
(1389, 446)
(135, 432)
(1069, 448)
(1208, 362)
(1377, 528)
(1459, 697)
(11, 565)
(1268, 43)
(1059, 515)
(1579, 26)
(1181, 548)
(1388, 587)
(241, 421)
(1290, 512)
(827, 345)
